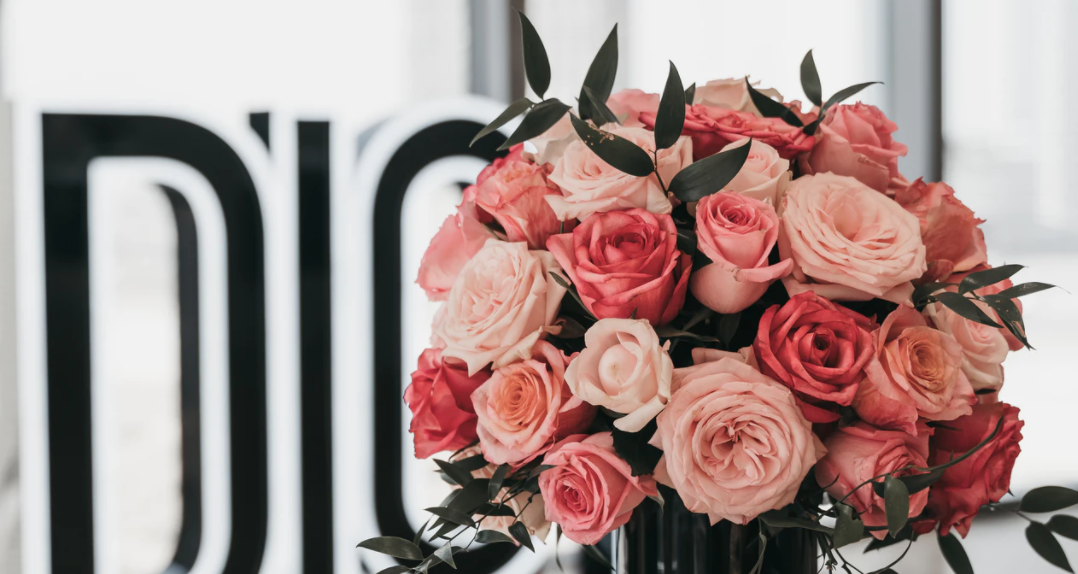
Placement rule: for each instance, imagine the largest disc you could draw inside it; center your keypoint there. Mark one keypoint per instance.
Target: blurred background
(980, 90)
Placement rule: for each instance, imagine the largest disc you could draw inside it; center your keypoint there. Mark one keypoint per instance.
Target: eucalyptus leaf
(896, 503)
(1064, 525)
(1048, 499)
(536, 64)
(979, 279)
(844, 93)
(452, 515)
(458, 475)
(497, 480)
(520, 533)
(965, 307)
(770, 108)
(617, 151)
(1024, 289)
(1044, 543)
(954, 554)
(690, 94)
(603, 114)
(515, 109)
(670, 118)
(601, 74)
(393, 546)
(492, 537)
(847, 528)
(445, 554)
(810, 80)
(541, 118)
(597, 555)
(709, 175)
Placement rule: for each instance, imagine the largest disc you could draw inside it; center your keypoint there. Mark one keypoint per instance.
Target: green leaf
(445, 554)
(472, 463)
(728, 327)
(1048, 499)
(843, 94)
(979, 279)
(536, 64)
(779, 519)
(921, 293)
(709, 175)
(1064, 525)
(419, 535)
(458, 475)
(690, 94)
(634, 449)
(393, 546)
(597, 555)
(847, 528)
(617, 151)
(1024, 289)
(1044, 543)
(471, 496)
(670, 119)
(395, 570)
(520, 533)
(917, 482)
(540, 119)
(954, 554)
(601, 73)
(560, 280)
(496, 481)
(515, 109)
(896, 502)
(492, 537)
(1010, 315)
(604, 115)
(810, 80)
(452, 515)
(771, 109)
(965, 307)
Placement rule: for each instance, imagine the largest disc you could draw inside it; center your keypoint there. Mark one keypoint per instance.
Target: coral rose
(626, 262)
(734, 441)
(848, 242)
(503, 301)
(590, 185)
(859, 452)
(712, 129)
(591, 491)
(530, 508)
(525, 407)
(737, 233)
(855, 140)
(624, 368)
(953, 241)
(816, 348)
(982, 478)
(916, 373)
(439, 396)
(513, 191)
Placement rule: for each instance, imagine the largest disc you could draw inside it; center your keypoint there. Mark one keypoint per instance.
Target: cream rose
(848, 241)
(590, 185)
(983, 347)
(731, 94)
(502, 302)
(624, 368)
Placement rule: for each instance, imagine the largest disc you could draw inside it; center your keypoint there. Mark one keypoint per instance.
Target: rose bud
(443, 418)
(953, 239)
(737, 233)
(855, 141)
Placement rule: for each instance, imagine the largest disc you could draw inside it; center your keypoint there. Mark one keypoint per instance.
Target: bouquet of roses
(719, 292)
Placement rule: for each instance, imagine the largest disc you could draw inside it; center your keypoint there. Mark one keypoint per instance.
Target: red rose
(624, 262)
(711, 129)
(982, 478)
(816, 348)
(443, 417)
(953, 241)
(856, 141)
(513, 191)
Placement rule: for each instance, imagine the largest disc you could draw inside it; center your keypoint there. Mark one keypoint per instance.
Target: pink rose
(982, 478)
(530, 508)
(763, 173)
(624, 368)
(513, 191)
(951, 234)
(858, 452)
(734, 441)
(591, 491)
(983, 347)
(525, 407)
(737, 233)
(629, 103)
(916, 373)
(503, 301)
(712, 129)
(461, 236)
(590, 185)
(816, 348)
(731, 94)
(624, 262)
(443, 417)
(848, 242)
(856, 141)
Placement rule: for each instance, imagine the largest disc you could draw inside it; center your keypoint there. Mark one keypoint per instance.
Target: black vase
(675, 541)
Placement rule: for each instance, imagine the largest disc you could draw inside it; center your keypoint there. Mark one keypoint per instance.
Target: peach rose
(734, 441)
(530, 508)
(461, 236)
(856, 141)
(712, 129)
(916, 373)
(737, 233)
(731, 94)
(503, 301)
(629, 103)
(525, 407)
(440, 400)
(624, 368)
(848, 242)
(590, 185)
(513, 191)
(951, 234)
(591, 491)
(983, 347)
(860, 451)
